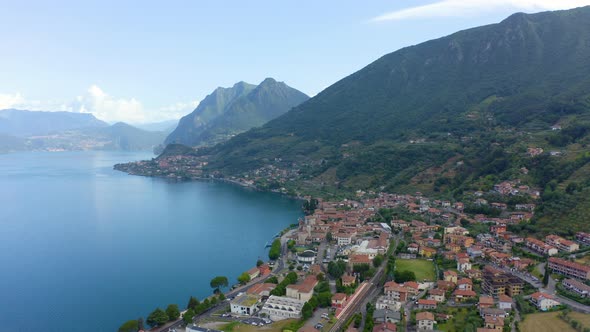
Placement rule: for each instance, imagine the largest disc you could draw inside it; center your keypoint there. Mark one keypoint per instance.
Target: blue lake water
(85, 248)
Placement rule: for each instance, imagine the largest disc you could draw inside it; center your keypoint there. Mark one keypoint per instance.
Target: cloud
(102, 105)
(462, 8)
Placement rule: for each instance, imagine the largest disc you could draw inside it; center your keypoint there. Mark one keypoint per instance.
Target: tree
(259, 263)
(140, 324)
(546, 275)
(129, 326)
(188, 316)
(221, 297)
(336, 269)
(244, 278)
(217, 282)
(192, 303)
(403, 276)
(329, 237)
(273, 280)
(275, 250)
(378, 260)
(306, 311)
(172, 312)
(158, 317)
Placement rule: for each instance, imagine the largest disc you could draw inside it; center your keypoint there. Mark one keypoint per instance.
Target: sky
(149, 61)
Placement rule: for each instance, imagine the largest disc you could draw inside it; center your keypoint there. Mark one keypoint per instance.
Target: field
(241, 327)
(545, 322)
(584, 260)
(582, 318)
(422, 268)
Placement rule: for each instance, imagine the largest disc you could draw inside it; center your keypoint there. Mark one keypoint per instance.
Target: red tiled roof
(425, 315)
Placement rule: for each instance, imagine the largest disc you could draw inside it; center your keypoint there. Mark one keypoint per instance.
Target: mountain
(23, 123)
(122, 136)
(167, 126)
(446, 117)
(229, 111)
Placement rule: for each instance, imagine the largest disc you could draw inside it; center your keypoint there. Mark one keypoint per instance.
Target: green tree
(172, 312)
(273, 280)
(378, 260)
(275, 250)
(218, 282)
(221, 297)
(306, 311)
(403, 276)
(244, 278)
(158, 317)
(129, 326)
(188, 316)
(329, 237)
(193, 302)
(259, 263)
(336, 268)
(546, 275)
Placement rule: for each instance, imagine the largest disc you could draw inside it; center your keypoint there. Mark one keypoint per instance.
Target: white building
(543, 301)
(385, 302)
(244, 304)
(279, 307)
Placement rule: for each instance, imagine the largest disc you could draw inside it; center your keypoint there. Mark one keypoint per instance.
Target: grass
(423, 269)
(545, 322)
(584, 319)
(584, 260)
(462, 319)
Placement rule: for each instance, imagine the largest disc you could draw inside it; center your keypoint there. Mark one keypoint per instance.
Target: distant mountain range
(230, 111)
(22, 130)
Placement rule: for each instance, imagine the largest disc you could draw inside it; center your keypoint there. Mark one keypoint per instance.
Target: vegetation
(129, 326)
(158, 317)
(275, 250)
(173, 312)
(421, 268)
(281, 288)
(244, 278)
(218, 282)
(336, 268)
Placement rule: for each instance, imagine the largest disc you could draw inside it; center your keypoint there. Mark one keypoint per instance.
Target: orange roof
(339, 297)
(504, 298)
(486, 300)
(425, 315)
(426, 302)
(462, 292)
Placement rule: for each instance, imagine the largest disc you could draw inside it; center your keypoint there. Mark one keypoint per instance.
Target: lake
(85, 247)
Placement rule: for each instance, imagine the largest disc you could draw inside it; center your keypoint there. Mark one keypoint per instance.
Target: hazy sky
(144, 61)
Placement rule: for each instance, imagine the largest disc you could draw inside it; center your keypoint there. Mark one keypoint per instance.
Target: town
(389, 262)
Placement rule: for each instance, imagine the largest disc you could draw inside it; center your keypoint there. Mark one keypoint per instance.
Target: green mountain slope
(445, 116)
(227, 112)
(22, 123)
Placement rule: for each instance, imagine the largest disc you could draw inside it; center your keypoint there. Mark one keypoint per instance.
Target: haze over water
(86, 248)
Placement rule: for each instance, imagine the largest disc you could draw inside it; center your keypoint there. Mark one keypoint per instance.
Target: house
(426, 304)
(280, 307)
(339, 300)
(395, 291)
(463, 295)
(264, 269)
(445, 285)
(540, 247)
(465, 284)
(485, 302)
(413, 248)
(244, 304)
(348, 280)
(569, 269)
(504, 302)
(425, 321)
(344, 239)
(262, 289)
(386, 315)
(304, 290)
(581, 289)
(543, 301)
(412, 287)
(463, 264)
(493, 312)
(437, 295)
(253, 272)
(583, 237)
(450, 276)
(385, 327)
(426, 251)
(474, 274)
(358, 259)
(562, 244)
(385, 302)
(494, 323)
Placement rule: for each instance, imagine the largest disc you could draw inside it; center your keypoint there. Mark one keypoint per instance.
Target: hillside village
(389, 262)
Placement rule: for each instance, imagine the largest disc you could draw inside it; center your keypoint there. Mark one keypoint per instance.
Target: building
(463, 295)
(463, 264)
(306, 257)
(485, 302)
(543, 301)
(494, 323)
(425, 321)
(436, 294)
(386, 315)
(569, 269)
(465, 284)
(450, 276)
(385, 327)
(304, 290)
(344, 239)
(348, 280)
(395, 291)
(280, 307)
(384, 302)
(505, 302)
(562, 244)
(262, 289)
(583, 237)
(574, 286)
(426, 304)
(339, 300)
(253, 272)
(244, 304)
(497, 282)
(540, 247)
